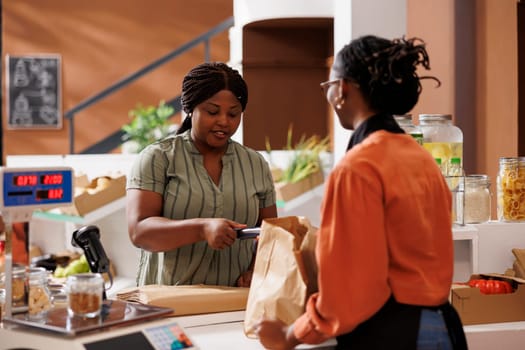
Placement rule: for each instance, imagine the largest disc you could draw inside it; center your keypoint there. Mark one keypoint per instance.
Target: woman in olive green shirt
(187, 194)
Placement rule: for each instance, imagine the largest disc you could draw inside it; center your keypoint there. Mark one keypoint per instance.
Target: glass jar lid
(477, 179)
(435, 118)
(18, 271)
(403, 117)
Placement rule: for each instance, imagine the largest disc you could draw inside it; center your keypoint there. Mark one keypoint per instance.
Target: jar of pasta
(39, 296)
(511, 189)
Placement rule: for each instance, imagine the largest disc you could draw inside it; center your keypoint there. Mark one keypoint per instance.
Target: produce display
(96, 185)
(305, 161)
(80, 265)
(491, 286)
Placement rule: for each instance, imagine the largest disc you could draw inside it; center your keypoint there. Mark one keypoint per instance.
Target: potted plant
(148, 124)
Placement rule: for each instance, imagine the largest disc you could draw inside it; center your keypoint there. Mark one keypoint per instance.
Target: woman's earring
(340, 104)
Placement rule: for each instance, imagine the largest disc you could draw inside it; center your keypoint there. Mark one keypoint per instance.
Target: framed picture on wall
(34, 92)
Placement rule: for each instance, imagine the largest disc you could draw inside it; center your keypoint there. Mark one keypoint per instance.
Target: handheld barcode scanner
(22, 191)
(88, 239)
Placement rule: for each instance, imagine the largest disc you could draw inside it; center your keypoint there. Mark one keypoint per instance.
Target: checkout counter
(478, 248)
(121, 324)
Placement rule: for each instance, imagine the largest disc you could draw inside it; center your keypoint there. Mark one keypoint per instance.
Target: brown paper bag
(285, 271)
(188, 299)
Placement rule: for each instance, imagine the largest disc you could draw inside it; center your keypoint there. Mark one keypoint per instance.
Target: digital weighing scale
(24, 190)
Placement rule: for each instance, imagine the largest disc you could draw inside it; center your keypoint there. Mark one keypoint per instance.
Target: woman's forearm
(158, 234)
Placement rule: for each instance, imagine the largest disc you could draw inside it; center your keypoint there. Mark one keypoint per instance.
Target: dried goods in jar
(39, 300)
(84, 303)
(511, 189)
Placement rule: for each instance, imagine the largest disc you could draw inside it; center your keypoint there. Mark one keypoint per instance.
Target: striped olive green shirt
(174, 168)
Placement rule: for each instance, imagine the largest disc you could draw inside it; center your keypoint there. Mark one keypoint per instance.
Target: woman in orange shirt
(385, 248)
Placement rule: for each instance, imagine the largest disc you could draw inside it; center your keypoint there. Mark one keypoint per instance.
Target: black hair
(204, 81)
(385, 71)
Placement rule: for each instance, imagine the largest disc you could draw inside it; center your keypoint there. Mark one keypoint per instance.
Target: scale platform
(115, 313)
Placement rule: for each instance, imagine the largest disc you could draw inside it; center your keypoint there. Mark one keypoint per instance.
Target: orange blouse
(385, 229)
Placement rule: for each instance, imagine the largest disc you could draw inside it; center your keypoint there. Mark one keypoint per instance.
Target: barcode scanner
(88, 238)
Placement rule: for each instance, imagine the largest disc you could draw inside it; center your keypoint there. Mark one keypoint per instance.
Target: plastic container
(477, 199)
(440, 165)
(39, 301)
(406, 123)
(454, 167)
(511, 189)
(84, 294)
(441, 138)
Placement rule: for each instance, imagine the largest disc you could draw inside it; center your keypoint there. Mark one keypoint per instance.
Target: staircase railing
(113, 140)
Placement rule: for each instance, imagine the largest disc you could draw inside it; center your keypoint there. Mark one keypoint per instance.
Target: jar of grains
(477, 199)
(511, 189)
(18, 284)
(84, 294)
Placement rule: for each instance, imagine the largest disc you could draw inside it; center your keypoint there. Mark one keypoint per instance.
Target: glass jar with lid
(84, 294)
(511, 189)
(441, 138)
(39, 301)
(477, 199)
(18, 284)
(405, 122)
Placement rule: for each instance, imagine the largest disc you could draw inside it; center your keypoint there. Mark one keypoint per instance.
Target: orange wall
(433, 22)
(101, 42)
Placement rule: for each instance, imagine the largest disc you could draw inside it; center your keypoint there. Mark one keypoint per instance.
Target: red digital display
(51, 179)
(25, 180)
(52, 193)
(32, 180)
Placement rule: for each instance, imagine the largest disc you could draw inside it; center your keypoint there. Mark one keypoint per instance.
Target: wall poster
(33, 92)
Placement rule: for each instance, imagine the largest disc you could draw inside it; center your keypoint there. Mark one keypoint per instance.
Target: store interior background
(473, 47)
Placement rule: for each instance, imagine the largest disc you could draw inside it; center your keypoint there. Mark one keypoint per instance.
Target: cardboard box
(94, 197)
(81, 181)
(288, 191)
(476, 308)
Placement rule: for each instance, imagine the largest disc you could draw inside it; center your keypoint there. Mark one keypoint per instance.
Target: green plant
(148, 124)
(305, 160)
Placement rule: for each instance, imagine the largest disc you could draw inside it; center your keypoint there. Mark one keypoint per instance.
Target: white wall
(248, 11)
(352, 18)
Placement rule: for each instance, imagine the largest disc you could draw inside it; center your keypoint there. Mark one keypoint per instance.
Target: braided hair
(204, 81)
(385, 71)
